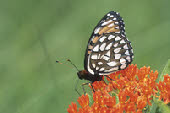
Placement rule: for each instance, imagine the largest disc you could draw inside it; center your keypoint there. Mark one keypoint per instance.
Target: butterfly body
(108, 49)
(87, 76)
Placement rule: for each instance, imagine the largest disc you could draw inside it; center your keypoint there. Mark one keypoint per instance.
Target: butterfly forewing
(108, 48)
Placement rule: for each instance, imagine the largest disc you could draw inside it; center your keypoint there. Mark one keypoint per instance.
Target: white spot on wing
(102, 46)
(93, 65)
(108, 14)
(102, 39)
(97, 68)
(114, 18)
(122, 61)
(111, 25)
(116, 44)
(117, 38)
(112, 69)
(102, 69)
(108, 53)
(94, 57)
(108, 46)
(123, 66)
(122, 41)
(105, 23)
(116, 23)
(96, 48)
(117, 56)
(111, 36)
(128, 58)
(111, 16)
(127, 52)
(117, 50)
(113, 63)
(125, 46)
(97, 30)
(123, 35)
(100, 63)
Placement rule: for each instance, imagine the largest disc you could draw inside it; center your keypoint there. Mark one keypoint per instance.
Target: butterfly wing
(111, 53)
(108, 48)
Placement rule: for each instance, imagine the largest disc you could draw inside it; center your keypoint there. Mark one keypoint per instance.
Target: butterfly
(108, 49)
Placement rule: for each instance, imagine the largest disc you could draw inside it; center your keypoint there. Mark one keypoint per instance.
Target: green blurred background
(35, 33)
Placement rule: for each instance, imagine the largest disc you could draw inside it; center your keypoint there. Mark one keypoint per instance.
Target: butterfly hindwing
(110, 55)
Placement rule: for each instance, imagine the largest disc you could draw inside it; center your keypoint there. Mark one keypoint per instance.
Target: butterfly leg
(92, 87)
(104, 82)
(108, 77)
(76, 87)
(83, 86)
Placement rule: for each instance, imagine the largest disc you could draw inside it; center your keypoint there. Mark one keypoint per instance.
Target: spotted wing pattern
(108, 48)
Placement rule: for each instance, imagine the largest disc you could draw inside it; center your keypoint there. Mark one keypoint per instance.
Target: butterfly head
(82, 74)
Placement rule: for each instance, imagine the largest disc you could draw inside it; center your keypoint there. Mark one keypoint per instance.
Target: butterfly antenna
(63, 64)
(68, 65)
(72, 64)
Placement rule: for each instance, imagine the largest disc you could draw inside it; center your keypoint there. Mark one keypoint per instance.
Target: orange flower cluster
(164, 88)
(128, 90)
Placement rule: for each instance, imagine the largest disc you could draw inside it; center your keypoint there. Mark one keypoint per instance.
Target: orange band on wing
(108, 29)
(90, 47)
(89, 51)
(95, 39)
(112, 30)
